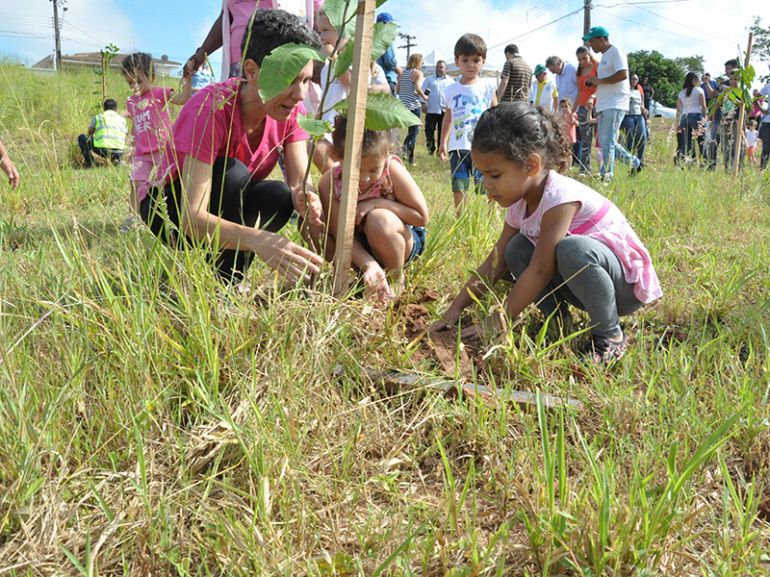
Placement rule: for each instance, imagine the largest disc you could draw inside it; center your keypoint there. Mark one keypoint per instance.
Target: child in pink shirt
(564, 243)
(569, 122)
(148, 109)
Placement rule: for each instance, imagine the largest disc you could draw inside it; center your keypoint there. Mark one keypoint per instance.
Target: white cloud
(87, 26)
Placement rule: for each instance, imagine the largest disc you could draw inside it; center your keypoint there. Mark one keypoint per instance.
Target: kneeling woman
(225, 143)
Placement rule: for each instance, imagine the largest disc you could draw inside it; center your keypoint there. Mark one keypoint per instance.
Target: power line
(682, 24)
(530, 32)
(659, 29)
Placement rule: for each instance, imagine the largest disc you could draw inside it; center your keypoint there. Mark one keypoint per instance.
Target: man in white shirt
(435, 87)
(565, 75)
(613, 93)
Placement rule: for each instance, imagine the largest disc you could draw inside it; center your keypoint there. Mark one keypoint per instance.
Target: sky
(715, 29)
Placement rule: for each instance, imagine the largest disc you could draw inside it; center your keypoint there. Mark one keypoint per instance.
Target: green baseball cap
(596, 32)
(539, 69)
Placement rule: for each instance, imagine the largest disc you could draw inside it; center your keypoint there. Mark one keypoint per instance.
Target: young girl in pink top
(148, 109)
(562, 241)
(390, 215)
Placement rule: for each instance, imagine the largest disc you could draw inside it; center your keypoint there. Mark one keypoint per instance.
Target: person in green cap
(613, 93)
(543, 92)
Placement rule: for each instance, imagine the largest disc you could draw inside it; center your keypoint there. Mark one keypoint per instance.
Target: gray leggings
(594, 281)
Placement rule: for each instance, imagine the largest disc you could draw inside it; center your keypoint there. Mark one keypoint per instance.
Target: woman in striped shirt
(411, 95)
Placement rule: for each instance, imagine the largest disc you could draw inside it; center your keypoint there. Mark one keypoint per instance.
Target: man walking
(565, 75)
(435, 87)
(613, 93)
(515, 78)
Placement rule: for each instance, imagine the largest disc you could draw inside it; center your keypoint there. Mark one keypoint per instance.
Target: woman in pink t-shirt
(229, 29)
(563, 242)
(226, 141)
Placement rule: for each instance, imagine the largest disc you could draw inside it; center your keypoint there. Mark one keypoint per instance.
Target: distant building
(163, 66)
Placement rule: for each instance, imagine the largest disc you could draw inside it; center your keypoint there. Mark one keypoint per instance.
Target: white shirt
(691, 104)
(546, 95)
(616, 95)
(566, 83)
(437, 96)
(337, 92)
(765, 91)
(466, 103)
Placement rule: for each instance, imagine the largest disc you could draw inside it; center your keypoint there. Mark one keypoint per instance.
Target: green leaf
(313, 126)
(383, 112)
(384, 35)
(342, 15)
(281, 67)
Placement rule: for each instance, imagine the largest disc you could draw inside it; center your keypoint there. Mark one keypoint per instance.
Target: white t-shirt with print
(466, 102)
(616, 95)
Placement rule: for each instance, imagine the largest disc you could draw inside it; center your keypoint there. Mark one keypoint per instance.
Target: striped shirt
(406, 92)
(519, 76)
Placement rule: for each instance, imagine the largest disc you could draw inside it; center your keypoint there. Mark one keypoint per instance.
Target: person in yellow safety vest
(106, 135)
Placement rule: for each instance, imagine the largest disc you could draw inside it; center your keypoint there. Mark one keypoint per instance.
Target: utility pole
(409, 44)
(586, 18)
(57, 31)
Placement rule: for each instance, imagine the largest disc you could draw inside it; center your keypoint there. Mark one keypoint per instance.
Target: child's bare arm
(486, 276)
(410, 205)
(182, 96)
(7, 166)
(445, 126)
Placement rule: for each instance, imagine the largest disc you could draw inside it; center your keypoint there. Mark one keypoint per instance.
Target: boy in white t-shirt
(466, 99)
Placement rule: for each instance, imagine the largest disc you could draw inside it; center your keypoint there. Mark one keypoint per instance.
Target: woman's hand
(292, 261)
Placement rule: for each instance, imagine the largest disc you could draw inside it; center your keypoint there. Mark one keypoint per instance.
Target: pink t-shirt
(209, 127)
(597, 218)
(241, 11)
(150, 120)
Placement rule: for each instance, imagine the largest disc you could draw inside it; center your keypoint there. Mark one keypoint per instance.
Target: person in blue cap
(388, 59)
(613, 93)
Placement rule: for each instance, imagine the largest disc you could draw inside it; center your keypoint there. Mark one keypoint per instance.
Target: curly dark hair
(138, 62)
(269, 29)
(374, 141)
(517, 130)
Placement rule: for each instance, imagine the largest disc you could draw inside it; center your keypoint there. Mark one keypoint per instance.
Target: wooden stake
(742, 113)
(354, 136)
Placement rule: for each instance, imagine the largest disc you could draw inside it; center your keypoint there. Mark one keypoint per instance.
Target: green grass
(154, 422)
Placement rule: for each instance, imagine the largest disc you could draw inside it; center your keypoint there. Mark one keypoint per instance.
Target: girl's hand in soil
(376, 283)
(447, 322)
(308, 205)
(486, 329)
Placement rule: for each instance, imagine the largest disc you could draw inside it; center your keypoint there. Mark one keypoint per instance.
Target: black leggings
(234, 197)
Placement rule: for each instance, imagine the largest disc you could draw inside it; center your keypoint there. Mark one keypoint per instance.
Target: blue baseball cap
(384, 17)
(596, 32)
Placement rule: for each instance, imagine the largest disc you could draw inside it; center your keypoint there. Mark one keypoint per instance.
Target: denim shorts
(418, 242)
(461, 165)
